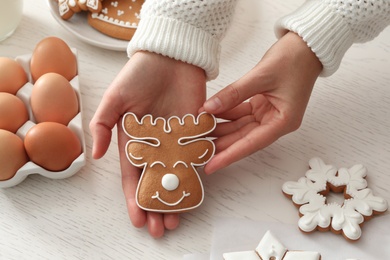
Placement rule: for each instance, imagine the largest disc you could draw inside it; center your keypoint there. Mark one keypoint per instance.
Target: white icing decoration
(170, 182)
(204, 154)
(180, 162)
(269, 247)
(94, 4)
(63, 8)
(135, 157)
(157, 196)
(112, 21)
(72, 3)
(158, 162)
(114, 4)
(120, 12)
(316, 212)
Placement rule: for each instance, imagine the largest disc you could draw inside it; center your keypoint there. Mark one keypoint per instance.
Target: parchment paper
(231, 235)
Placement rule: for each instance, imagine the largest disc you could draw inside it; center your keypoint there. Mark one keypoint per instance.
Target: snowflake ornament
(270, 248)
(309, 194)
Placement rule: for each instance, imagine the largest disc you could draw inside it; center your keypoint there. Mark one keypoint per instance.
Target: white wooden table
(85, 217)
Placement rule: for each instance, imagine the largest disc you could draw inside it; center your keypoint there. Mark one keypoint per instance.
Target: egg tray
(76, 125)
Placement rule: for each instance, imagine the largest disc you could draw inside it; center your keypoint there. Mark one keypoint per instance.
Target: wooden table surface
(85, 217)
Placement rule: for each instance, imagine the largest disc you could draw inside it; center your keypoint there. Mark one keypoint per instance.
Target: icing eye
(157, 162)
(180, 162)
(170, 181)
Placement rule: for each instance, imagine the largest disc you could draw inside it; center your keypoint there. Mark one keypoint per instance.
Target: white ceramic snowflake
(310, 192)
(270, 248)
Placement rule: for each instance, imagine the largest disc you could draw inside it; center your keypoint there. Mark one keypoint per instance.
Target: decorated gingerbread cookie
(270, 248)
(67, 8)
(93, 6)
(309, 194)
(117, 18)
(169, 152)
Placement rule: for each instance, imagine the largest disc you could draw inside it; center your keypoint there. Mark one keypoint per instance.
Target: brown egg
(52, 146)
(12, 76)
(53, 99)
(12, 154)
(13, 112)
(53, 55)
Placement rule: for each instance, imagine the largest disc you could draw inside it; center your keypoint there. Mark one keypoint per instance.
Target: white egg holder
(76, 125)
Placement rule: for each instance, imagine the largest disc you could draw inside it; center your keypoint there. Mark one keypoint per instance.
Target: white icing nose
(170, 181)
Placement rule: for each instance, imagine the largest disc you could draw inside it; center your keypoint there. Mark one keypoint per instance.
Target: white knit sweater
(191, 30)
(330, 27)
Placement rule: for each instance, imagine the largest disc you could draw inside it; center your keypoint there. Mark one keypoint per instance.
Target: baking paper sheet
(231, 235)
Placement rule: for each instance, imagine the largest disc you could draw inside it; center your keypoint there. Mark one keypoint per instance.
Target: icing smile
(157, 196)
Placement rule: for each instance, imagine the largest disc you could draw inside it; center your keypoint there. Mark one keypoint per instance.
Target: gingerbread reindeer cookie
(169, 152)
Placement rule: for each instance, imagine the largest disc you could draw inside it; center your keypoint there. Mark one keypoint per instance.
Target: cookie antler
(145, 129)
(187, 128)
(190, 127)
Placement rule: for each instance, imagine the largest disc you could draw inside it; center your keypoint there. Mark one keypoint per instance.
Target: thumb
(233, 94)
(105, 118)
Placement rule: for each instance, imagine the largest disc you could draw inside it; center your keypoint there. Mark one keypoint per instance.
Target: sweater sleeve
(331, 27)
(185, 30)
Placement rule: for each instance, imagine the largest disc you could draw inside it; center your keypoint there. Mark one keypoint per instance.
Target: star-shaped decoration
(270, 248)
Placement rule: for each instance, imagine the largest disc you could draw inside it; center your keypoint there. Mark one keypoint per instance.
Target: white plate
(79, 27)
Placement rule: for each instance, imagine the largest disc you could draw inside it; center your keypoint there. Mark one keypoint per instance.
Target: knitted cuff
(179, 41)
(324, 31)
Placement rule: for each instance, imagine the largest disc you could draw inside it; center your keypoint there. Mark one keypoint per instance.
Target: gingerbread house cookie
(309, 193)
(117, 18)
(169, 152)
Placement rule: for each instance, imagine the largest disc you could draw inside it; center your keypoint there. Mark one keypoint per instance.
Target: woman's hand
(148, 84)
(278, 89)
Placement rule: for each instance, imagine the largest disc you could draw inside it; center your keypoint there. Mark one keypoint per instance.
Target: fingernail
(213, 104)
